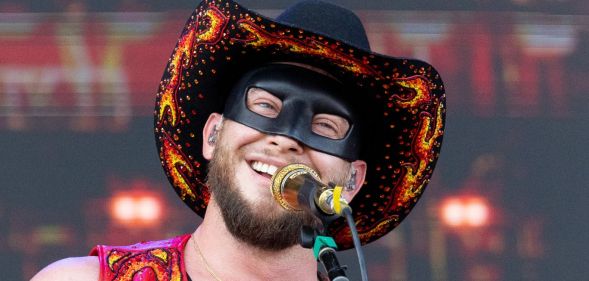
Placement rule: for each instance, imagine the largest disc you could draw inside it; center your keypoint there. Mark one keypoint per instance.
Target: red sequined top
(146, 261)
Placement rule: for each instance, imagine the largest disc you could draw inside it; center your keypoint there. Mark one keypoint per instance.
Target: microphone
(297, 187)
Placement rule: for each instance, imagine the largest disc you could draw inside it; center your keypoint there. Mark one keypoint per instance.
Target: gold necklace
(204, 261)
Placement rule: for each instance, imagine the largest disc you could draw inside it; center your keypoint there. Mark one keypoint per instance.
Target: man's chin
(253, 217)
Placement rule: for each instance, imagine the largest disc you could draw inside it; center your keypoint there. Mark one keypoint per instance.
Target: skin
(226, 256)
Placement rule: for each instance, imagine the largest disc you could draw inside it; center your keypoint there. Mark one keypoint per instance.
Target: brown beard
(259, 225)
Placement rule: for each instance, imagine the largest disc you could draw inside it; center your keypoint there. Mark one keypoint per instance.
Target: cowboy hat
(402, 100)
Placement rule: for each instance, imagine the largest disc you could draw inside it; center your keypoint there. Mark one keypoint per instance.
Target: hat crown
(327, 19)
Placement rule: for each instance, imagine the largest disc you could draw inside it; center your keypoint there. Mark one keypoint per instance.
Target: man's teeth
(264, 168)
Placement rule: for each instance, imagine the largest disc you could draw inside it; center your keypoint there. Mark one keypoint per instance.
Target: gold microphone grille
(285, 193)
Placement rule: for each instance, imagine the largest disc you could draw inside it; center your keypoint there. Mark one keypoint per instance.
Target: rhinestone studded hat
(402, 101)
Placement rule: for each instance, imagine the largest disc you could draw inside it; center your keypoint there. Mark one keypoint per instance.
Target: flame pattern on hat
(262, 39)
(182, 58)
(414, 173)
(181, 170)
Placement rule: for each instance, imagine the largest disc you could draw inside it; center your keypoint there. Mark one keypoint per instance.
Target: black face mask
(304, 93)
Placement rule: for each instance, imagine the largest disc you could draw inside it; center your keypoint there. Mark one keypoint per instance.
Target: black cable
(357, 244)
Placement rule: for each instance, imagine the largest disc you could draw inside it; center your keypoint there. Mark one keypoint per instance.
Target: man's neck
(221, 254)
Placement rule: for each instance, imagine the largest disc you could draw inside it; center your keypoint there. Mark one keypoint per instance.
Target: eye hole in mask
(265, 104)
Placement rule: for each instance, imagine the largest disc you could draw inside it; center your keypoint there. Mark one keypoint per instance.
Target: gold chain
(204, 261)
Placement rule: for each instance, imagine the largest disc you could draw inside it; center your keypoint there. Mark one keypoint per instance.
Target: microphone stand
(313, 238)
(313, 196)
(324, 250)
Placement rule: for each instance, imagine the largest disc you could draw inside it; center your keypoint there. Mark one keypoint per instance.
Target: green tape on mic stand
(322, 242)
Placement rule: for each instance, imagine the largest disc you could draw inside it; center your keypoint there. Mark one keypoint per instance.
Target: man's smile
(264, 169)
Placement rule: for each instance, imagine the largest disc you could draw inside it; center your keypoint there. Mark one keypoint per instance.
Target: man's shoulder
(77, 268)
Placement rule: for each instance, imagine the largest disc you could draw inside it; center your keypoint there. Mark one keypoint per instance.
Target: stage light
(148, 208)
(123, 208)
(136, 208)
(453, 212)
(476, 212)
(469, 211)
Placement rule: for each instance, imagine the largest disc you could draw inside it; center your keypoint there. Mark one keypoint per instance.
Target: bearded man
(243, 96)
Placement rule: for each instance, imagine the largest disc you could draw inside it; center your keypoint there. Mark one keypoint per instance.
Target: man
(304, 88)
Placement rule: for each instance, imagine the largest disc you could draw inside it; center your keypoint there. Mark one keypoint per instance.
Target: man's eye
(323, 125)
(265, 105)
(266, 109)
(261, 102)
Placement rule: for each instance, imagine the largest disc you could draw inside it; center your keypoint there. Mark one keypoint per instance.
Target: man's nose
(286, 144)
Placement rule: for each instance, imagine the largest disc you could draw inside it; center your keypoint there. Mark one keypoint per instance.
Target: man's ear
(360, 167)
(210, 134)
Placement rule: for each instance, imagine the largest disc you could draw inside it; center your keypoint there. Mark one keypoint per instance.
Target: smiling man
(243, 96)
(276, 115)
